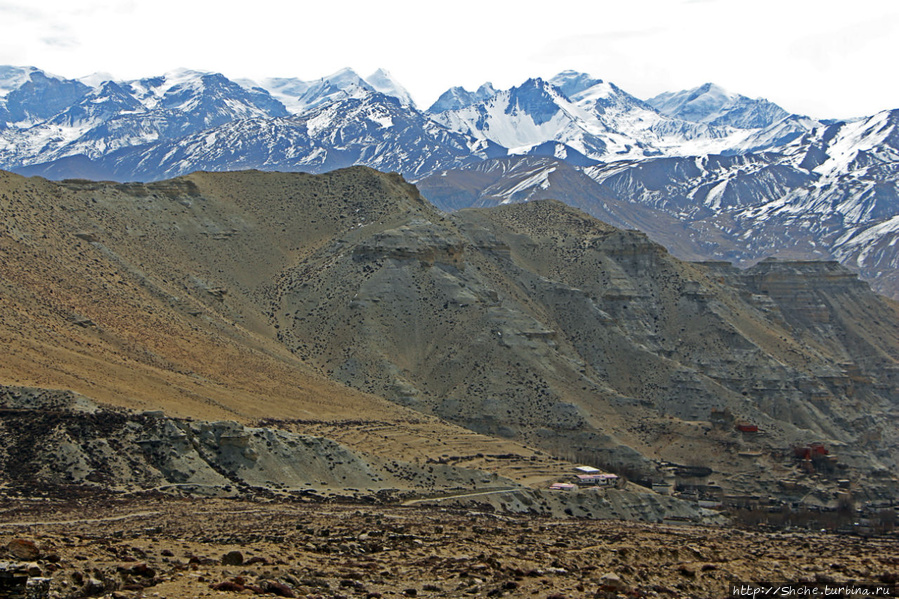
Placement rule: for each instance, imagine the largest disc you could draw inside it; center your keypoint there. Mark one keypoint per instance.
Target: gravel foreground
(169, 548)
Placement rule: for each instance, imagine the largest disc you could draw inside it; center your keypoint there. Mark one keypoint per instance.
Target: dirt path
(81, 521)
(458, 496)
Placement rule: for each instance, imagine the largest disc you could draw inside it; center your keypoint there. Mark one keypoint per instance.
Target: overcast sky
(824, 58)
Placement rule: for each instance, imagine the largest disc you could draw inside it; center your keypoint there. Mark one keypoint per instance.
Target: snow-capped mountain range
(710, 174)
(44, 118)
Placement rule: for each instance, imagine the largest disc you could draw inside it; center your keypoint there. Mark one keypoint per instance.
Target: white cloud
(791, 52)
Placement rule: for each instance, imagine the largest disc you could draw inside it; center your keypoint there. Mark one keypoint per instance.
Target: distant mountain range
(708, 173)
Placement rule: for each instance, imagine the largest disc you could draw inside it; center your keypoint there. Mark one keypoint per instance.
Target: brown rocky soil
(184, 548)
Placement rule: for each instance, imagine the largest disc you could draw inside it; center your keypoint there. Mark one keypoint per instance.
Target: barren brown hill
(144, 298)
(119, 293)
(247, 295)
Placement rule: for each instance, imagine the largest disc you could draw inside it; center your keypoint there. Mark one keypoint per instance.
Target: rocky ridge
(62, 445)
(57, 440)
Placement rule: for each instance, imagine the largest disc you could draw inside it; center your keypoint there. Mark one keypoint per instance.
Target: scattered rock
(611, 582)
(522, 561)
(34, 570)
(92, 586)
(37, 588)
(232, 558)
(277, 588)
(227, 586)
(142, 569)
(88, 236)
(23, 549)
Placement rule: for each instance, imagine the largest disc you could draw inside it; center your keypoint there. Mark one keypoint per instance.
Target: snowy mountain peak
(524, 117)
(382, 81)
(486, 90)
(537, 98)
(12, 77)
(182, 76)
(458, 97)
(299, 95)
(713, 105)
(702, 103)
(31, 95)
(96, 79)
(104, 102)
(151, 90)
(573, 82)
(345, 77)
(345, 83)
(711, 89)
(211, 97)
(110, 89)
(287, 90)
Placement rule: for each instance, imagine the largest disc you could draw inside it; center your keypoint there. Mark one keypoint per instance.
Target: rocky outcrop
(417, 240)
(54, 440)
(58, 448)
(13, 578)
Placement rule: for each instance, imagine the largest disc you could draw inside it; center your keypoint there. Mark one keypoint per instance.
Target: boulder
(23, 549)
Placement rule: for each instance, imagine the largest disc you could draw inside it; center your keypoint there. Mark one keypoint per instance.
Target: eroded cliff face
(536, 322)
(57, 439)
(62, 445)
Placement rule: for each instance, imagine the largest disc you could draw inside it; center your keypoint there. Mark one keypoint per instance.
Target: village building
(562, 487)
(596, 479)
(587, 470)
